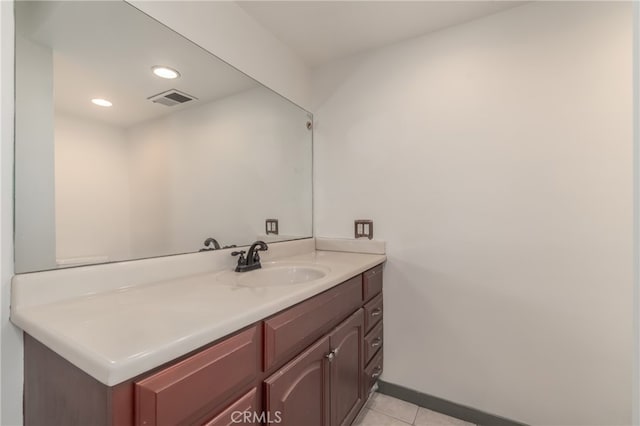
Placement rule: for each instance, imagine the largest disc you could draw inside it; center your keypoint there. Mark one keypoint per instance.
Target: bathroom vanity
(310, 358)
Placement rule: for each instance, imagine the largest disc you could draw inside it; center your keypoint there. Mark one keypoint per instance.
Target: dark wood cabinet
(323, 386)
(298, 393)
(373, 312)
(373, 325)
(242, 412)
(183, 392)
(373, 342)
(371, 282)
(311, 364)
(292, 330)
(347, 393)
(373, 371)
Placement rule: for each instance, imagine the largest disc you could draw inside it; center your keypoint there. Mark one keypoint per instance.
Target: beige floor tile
(393, 407)
(431, 418)
(370, 417)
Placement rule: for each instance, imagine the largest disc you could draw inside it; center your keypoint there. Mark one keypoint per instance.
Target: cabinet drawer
(372, 312)
(190, 388)
(373, 371)
(373, 342)
(235, 413)
(371, 282)
(296, 328)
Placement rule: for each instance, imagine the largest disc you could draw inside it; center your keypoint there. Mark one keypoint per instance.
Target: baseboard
(445, 407)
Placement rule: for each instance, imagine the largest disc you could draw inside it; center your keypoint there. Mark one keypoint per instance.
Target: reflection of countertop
(120, 333)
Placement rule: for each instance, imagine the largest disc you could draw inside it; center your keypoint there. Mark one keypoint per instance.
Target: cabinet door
(298, 393)
(347, 364)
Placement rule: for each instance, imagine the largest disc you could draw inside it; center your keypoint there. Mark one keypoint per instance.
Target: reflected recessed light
(165, 72)
(101, 102)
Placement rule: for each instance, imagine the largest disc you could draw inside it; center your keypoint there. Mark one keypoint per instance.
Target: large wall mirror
(170, 163)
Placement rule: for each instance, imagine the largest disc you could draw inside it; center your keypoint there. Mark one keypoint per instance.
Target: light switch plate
(363, 228)
(271, 226)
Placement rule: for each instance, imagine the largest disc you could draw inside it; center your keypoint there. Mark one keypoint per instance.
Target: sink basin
(274, 274)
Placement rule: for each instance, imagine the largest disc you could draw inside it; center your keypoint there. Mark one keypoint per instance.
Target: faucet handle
(241, 260)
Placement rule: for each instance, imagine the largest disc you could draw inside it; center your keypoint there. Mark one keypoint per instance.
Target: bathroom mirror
(154, 166)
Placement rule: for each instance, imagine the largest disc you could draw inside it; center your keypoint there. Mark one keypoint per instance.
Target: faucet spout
(213, 242)
(252, 261)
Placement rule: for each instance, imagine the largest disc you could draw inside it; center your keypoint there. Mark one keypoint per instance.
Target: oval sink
(276, 274)
(281, 275)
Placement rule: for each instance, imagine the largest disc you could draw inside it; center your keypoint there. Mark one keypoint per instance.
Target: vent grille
(172, 97)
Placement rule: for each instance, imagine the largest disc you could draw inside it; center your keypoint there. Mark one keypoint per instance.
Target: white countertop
(118, 334)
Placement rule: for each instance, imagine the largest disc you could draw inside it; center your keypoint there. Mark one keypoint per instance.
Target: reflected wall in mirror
(152, 174)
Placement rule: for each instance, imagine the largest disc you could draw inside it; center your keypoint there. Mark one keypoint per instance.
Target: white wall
(227, 166)
(10, 337)
(224, 29)
(91, 190)
(495, 159)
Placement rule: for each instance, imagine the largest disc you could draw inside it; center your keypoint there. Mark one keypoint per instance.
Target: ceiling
(322, 31)
(113, 60)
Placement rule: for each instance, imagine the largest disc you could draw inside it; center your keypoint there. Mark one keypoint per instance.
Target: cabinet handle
(376, 312)
(377, 372)
(377, 342)
(331, 355)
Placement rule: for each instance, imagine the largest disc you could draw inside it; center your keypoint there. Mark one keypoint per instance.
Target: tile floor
(383, 410)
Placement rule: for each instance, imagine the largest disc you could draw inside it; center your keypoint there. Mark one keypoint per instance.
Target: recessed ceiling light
(101, 102)
(165, 72)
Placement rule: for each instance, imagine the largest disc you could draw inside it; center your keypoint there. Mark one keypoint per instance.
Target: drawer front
(240, 412)
(190, 388)
(373, 342)
(372, 312)
(373, 371)
(288, 332)
(371, 283)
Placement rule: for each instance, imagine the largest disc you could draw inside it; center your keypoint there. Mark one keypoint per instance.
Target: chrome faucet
(252, 261)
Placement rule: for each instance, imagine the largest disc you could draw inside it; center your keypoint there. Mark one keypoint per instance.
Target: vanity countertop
(118, 334)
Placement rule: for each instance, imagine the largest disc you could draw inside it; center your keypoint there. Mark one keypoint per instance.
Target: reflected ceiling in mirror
(114, 162)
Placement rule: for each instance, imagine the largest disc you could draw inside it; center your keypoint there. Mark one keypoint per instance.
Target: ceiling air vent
(172, 97)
